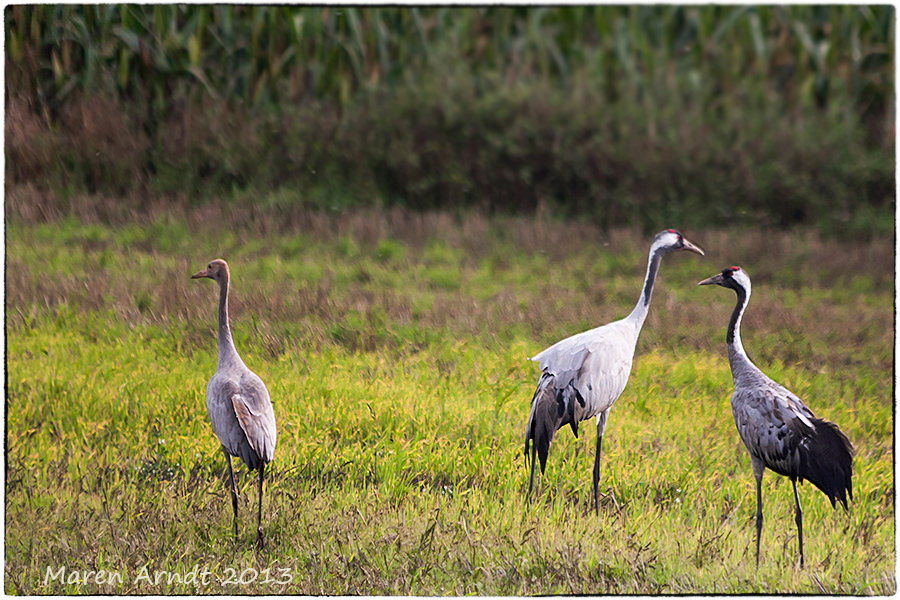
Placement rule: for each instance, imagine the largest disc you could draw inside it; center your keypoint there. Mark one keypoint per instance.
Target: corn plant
(267, 55)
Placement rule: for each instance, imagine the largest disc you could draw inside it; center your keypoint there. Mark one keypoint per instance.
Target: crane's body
(587, 372)
(779, 431)
(237, 402)
(582, 376)
(595, 363)
(242, 417)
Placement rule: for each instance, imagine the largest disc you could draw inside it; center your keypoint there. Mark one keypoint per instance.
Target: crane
(237, 402)
(583, 375)
(779, 431)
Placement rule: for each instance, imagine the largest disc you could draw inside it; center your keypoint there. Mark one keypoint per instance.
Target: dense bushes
(658, 114)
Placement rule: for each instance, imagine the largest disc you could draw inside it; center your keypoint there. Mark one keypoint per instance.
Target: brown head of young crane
(583, 375)
(238, 402)
(779, 431)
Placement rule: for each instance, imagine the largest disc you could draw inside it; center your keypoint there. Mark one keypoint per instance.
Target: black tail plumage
(826, 461)
(551, 409)
(544, 422)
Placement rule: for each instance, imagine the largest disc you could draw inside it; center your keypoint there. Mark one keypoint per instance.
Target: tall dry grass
(382, 245)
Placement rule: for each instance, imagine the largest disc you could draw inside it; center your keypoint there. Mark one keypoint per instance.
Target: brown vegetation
(777, 260)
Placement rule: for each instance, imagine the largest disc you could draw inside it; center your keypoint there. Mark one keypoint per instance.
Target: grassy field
(394, 347)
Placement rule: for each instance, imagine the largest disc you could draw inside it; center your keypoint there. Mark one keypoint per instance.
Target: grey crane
(583, 375)
(238, 402)
(779, 431)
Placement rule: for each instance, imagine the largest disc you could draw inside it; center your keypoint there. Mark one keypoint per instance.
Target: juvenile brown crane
(779, 431)
(238, 402)
(583, 375)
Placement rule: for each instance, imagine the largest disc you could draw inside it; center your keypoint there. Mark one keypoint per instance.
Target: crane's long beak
(692, 247)
(200, 274)
(714, 280)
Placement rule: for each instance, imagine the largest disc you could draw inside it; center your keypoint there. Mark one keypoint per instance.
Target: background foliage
(628, 115)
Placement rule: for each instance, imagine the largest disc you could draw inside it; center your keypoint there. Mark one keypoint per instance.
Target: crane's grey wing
(255, 414)
(565, 358)
(773, 423)
(220, 406)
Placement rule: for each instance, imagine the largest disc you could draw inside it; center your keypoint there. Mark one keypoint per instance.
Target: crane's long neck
(737, 357)
(227, 351)
(643, 304)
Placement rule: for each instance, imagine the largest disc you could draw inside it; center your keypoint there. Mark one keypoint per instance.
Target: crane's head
(217, 269)
(671, 240)
(732, 277)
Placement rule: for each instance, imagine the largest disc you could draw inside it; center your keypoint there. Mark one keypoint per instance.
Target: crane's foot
(260, 539)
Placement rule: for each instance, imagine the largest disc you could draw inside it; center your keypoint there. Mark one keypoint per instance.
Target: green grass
(394, 350)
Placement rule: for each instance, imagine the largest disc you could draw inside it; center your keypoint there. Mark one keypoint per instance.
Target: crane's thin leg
(798, 519)
(234, 499)
(601, 427)
(531, 477)
(758, 468)
(759, 515)
(260, 542)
